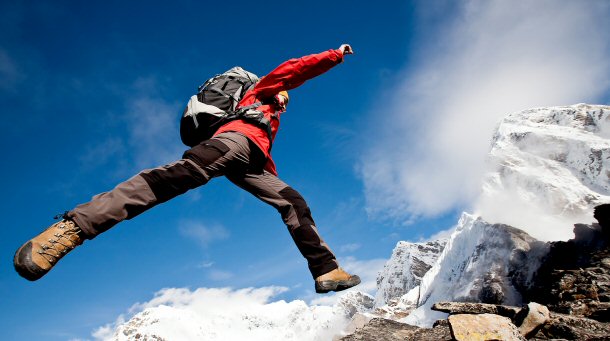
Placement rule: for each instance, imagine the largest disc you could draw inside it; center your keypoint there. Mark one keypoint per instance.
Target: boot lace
(65, 240)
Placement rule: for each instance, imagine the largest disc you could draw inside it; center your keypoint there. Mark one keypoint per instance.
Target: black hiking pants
(229, 154)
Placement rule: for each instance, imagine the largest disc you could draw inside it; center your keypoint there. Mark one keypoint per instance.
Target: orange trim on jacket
(287, 76)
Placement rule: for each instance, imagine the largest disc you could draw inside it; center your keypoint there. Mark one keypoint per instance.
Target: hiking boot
(336, 280)
(36, 257)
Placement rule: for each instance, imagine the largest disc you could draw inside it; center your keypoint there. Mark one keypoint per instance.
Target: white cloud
(106, 332)
(208, 298)
(152, 134)
(494, 58)
(440, 235)
(203, 234)
(225, 314)
(547, 227)
(205, 265)
(242, 314)
(100, 153)
(349, 247)
(229, 314)
(153, 126)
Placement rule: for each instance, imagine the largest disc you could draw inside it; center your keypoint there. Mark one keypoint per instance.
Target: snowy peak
(405, 268)
(481, 262)
(353, 302)
(548, 167)
(575, 137)
(582, 117)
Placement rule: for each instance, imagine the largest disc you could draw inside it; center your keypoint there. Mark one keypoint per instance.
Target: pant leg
(296, 215)
(211, 158)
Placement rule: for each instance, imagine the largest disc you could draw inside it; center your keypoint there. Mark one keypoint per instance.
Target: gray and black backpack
(214, 105)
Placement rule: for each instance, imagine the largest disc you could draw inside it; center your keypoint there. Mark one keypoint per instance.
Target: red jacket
(287, 76)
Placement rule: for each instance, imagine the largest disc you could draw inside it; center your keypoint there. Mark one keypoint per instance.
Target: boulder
(534, 317)
(383, 329)
(389, 330)
(561, 326)
(482, 327)
(476, 308)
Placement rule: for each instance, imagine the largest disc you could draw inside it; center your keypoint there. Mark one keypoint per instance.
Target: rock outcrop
(533, 322)
(571, 288)
(389, 330)
(575, 276)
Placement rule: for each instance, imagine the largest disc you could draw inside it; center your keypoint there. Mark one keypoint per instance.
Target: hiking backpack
(214, 105)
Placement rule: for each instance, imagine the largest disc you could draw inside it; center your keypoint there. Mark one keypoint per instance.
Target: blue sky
(388, 146)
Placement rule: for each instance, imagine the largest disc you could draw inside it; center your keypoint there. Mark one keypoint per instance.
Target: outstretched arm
(295, 72)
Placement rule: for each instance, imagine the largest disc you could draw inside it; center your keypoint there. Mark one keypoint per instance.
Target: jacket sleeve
(295, 72)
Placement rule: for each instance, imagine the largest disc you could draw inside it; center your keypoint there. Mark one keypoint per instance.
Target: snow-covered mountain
(225, 314)
(482, 262)
(548, 168)
(407, 265)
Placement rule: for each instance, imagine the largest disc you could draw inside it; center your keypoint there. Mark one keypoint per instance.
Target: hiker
(240, 151)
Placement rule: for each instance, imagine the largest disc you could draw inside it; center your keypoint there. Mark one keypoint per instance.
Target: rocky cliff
(571, 290)
(548, 168)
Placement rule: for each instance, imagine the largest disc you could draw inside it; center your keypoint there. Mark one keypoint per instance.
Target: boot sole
(323, 287)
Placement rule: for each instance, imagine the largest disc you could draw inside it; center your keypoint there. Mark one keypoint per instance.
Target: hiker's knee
(294, 208)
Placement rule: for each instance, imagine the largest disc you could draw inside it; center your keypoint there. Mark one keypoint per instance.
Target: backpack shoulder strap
(249, 114)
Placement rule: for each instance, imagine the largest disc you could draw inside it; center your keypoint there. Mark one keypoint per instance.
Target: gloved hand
(346, 49)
